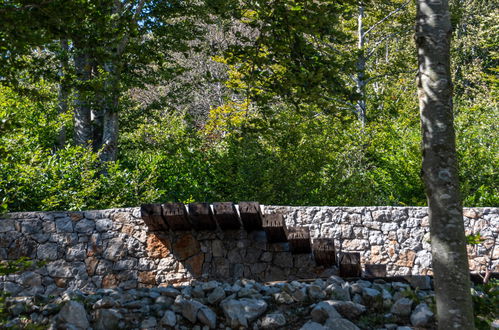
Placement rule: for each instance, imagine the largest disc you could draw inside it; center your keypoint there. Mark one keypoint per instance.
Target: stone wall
(396, 236)
(113, 248)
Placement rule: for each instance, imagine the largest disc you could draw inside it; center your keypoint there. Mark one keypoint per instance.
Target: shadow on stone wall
(115, 248)
(227, 255)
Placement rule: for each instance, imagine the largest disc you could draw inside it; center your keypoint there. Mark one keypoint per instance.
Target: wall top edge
(89, 213)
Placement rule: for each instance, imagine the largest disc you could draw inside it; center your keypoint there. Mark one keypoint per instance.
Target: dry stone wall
(114, 248)
(396, 236)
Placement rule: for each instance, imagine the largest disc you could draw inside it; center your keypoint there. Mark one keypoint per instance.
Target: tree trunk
(440, 174)
(97, 114)
(360, 81)
(82, 113)
(64, 91)
(109, 150)
(109, 147)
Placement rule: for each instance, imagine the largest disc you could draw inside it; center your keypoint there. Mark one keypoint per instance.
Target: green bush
(486, 304)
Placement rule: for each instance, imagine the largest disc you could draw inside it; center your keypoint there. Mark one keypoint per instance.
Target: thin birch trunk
(440, 168)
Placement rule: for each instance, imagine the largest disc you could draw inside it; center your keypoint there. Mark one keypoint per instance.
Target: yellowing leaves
(223, 119)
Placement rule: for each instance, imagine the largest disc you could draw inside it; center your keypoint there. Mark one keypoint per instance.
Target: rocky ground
(322, 304)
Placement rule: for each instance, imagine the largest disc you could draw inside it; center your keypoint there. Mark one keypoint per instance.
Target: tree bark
(97, 114)
(64, 91)
(360, 79)
(440, 168)
(109, 146)
(82, 112)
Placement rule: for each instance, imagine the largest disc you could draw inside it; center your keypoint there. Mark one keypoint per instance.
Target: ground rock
(149, 323)
(323, 311)
(336, 292)
(169, 319)
(349, 309)
(340, 324)
(107, 319)
(300, 294)
(372, 297)
(207, 317)
(283, 298)
(421, 315)
(402, 307)
(311, 325)
(419, 282)
(315, 293)
(240, 312)
(274, 320)
(190, 309)
(216, 296)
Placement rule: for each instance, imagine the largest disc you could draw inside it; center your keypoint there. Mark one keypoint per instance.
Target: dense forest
(116, 103)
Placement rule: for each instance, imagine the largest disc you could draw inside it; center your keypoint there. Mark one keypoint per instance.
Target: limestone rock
(402, 307)
(311, 325)
(149, 323)
(340, 324)
(103, 225)
(47, 251)
(349, 309)
(300, 295)
(216, 296)
(421, 315)
(272, 321)
(60, 268)
(64, 225)
(195, 264)
(283, 298)
(169, 319)
(419, 282)
(84, 226)
(73, 313)
(336, 292)
(107, 319)
(208, 286)
(190, 309)
(7, 226)
(315, 293)
(115, 250)
(186, 246)
(323, 311)
(157, 246)
(372, 297)
(241, 312)
(207, 317)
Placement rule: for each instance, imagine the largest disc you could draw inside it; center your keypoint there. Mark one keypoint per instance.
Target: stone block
(64, 225)
(158, 245)
(7, 225)
(185, 246)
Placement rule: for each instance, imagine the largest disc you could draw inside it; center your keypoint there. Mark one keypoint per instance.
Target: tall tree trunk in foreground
(440, 175)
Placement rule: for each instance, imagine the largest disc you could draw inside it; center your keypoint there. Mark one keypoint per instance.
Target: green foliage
(474, 239)
(282, 132)
(293, 51)
(16, 266)
(486, 304)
